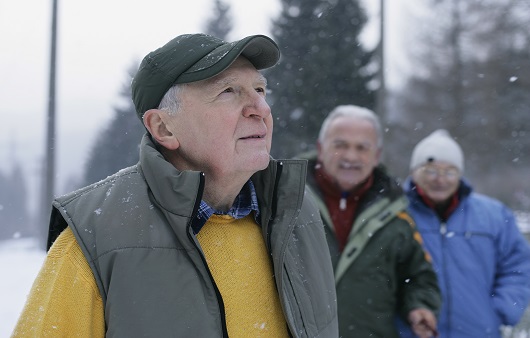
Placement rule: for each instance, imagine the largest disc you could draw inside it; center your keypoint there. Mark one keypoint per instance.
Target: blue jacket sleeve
(511, 292)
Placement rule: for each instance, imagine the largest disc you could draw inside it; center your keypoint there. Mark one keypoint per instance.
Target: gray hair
(171, 100)
(356, 112)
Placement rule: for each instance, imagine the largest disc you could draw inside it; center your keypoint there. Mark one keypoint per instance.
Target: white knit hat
(438, 146)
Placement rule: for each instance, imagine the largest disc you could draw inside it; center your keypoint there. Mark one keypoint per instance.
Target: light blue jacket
(482, 262)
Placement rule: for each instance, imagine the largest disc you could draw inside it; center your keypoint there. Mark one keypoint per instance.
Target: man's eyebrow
(225, 81)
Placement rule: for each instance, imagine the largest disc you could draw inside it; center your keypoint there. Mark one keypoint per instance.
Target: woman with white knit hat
(481, 259)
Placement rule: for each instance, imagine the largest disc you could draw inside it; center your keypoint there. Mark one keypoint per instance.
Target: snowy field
(21, 259)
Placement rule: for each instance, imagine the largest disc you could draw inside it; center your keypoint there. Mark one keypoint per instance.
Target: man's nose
(350, 154)
(256, 106)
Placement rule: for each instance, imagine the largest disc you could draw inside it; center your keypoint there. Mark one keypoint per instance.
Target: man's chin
(261, 162)
(348, 185)
(349, 181)
(439, 198)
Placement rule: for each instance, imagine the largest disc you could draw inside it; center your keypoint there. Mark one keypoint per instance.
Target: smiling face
(224, 125)
(349, 151)
(439, 180)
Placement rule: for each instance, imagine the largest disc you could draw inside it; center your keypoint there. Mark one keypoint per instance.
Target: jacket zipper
(188, 231)
(443, 233)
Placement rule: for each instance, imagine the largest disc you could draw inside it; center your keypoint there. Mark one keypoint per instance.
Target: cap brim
(260, 50)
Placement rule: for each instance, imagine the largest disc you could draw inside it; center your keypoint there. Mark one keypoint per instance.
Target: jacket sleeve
(511, 292)
(64, 299)
(417, 281)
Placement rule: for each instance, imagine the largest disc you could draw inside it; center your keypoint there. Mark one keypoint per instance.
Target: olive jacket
(383, 270)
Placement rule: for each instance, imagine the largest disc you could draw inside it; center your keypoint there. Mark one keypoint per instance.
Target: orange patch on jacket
(405, 216)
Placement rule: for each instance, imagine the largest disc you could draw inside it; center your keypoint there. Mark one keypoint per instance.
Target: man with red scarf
(381, 270)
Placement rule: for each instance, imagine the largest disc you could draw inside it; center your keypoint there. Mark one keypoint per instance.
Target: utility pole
(381, 93)
(49, 177)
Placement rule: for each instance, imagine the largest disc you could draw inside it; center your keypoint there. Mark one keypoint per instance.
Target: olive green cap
(194, 57)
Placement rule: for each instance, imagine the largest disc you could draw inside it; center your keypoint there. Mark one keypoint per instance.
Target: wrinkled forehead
(351, 128)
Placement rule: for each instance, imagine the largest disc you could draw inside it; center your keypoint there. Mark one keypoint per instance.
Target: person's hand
(423, 323)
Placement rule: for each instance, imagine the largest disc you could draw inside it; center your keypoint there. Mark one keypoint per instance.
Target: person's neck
(442, 208)
(220, 190)
(220, 194)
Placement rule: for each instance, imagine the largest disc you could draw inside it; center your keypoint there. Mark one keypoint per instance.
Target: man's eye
(261, 90)
(228, 90)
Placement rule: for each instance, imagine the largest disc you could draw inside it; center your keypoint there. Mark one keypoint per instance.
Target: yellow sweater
(235, 253)
(242, 269)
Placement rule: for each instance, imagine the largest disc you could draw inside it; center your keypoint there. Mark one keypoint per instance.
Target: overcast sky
(98, 41)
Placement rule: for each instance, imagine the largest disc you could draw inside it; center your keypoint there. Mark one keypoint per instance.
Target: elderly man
(381, 269)
(206, 236)
(481, 259)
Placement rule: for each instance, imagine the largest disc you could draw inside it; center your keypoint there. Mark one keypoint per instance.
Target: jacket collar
(175, 191)
(281, 183)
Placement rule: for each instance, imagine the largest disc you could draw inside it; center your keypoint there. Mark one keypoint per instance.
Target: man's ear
(156, 122)
(379, 155)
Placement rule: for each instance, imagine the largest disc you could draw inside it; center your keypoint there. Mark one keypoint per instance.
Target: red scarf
(341, 205)
(443, 210)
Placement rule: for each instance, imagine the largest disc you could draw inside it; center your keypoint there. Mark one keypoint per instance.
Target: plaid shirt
(244, 204)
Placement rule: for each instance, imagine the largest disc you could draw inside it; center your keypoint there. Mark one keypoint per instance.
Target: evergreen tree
(117, 145)
(220, 23)
(323, 64)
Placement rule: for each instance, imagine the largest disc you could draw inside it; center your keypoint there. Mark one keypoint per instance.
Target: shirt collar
(245, 202)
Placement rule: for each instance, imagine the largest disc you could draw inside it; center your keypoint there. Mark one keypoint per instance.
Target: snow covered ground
(21, 259)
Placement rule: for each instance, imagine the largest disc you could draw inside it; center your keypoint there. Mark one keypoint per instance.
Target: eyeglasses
(433, 173)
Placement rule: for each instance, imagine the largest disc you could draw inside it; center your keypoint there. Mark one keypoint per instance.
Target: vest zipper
(188, 230)
(274, 206)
